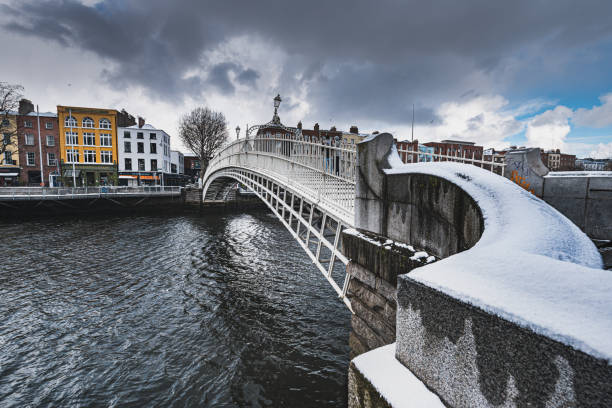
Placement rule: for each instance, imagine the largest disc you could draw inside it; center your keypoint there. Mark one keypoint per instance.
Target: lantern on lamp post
(237, 132)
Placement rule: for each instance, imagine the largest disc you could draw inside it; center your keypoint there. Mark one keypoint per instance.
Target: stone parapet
(470, 357)
(375, 264)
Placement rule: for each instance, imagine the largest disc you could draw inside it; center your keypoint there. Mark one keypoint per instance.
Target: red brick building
(457, 148)
(30, 150)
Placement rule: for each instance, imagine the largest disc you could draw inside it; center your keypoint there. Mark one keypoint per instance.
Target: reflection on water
(222, 310)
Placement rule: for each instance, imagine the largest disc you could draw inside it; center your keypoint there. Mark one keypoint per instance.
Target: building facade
(88, 146)
(557, 161)
(192, 166)
(589, 164)
(457, 148)
(9, 150)
(144, 155)
(35, 153)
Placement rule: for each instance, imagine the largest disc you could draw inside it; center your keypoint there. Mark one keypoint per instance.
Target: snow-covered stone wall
(518, 313)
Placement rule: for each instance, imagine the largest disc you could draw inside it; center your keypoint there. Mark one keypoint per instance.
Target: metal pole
(71, 136)
(42, 177)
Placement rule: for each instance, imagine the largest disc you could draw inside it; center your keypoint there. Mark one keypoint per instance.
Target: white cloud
(483, 119)
(603, 151)
(549, 129)
(598, 116)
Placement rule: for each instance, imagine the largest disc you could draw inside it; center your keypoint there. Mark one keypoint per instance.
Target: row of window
(89, 156)
(127, 147)
(141, 165)
(139, 135)
(31, 159)
(87, 122)
(29, 139)
(89, 139)
(28, 124)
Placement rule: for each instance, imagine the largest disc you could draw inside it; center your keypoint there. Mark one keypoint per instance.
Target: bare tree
(203, 131)
(9, 103)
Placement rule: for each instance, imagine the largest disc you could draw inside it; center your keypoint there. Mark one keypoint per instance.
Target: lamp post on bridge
(274, 123)
(237, 132)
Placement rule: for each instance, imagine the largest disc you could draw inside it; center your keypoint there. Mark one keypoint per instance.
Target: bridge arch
(309, 186)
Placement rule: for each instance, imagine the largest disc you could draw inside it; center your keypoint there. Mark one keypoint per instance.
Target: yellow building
(88, 144)
(9, 152)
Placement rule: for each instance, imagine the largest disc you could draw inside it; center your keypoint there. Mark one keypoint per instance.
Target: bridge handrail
(337, 159)
(38, 192)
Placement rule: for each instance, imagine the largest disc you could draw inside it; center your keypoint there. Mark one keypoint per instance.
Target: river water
(219, 310)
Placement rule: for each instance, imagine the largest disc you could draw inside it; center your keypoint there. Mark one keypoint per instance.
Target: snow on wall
(532, 266)
(394, 382)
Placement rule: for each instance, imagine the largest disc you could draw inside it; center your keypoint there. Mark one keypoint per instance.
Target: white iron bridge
(309, 184)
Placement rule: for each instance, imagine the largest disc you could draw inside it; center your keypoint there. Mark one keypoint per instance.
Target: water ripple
(221, 310)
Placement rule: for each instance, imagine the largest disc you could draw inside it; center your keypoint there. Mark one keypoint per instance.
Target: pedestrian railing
(496, 162)
(21, 193)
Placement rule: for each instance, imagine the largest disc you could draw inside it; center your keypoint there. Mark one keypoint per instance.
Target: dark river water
(219, 310)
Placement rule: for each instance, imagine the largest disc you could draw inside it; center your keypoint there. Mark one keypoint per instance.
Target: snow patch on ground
(532, 265)
(394, 382)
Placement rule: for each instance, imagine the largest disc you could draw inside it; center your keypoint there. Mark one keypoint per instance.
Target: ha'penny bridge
(462, 283)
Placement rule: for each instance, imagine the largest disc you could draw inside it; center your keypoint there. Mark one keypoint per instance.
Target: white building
(144, 154)
(177, 162)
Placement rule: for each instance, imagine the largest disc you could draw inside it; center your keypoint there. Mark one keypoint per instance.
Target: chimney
(316, 127)
(299, 125)
(25, 106)
(354, 130)
(141, 121)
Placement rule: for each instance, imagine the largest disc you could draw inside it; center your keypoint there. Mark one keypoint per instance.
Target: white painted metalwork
(58, 193)
(497, 163)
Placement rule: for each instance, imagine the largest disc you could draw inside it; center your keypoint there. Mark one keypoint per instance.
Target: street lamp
(277, 101)
(237, 132)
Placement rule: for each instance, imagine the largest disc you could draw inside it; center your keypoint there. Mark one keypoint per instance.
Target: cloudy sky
(534, 73)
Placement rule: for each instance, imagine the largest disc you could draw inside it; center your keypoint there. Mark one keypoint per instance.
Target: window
(153, 136)
(51, 159)
(72, 156)
(140, 135)
(140, 147)
(48, 125)
(173, 168)
(7, 138)
(70, 122)
(88, 123)
(5, 122)
(128, 164)
(72, 138)
(27, 123)
(126, 134)
(89, 139)
(141, 165)
(105, 123)
(153, 165)
(8, 158)
(50, 140)
(153, 148)
(29, 139)
(106, 156)
(30, 158)
(127, 147)
(90, 156)
(105, 139)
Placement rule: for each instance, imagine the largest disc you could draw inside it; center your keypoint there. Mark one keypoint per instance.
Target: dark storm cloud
(357, 58)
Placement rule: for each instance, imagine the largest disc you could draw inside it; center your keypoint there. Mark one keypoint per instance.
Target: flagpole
(42, 177)
(71, 138)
